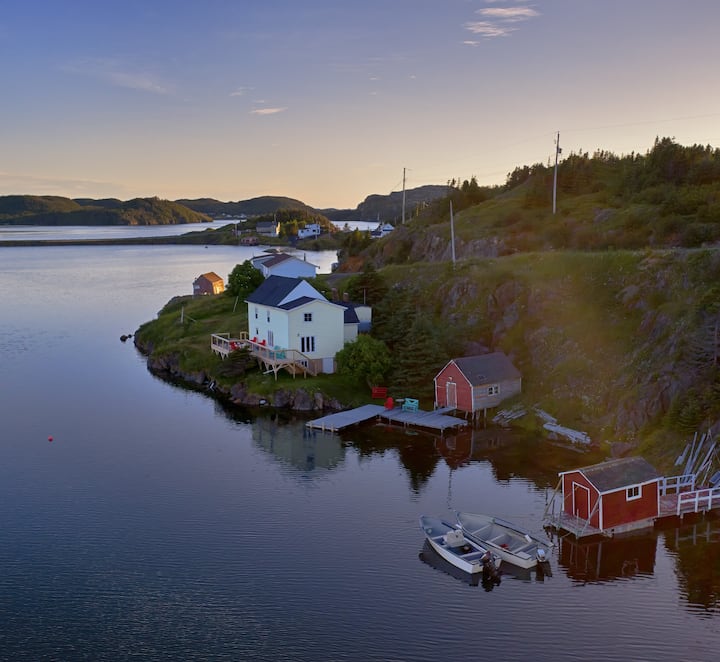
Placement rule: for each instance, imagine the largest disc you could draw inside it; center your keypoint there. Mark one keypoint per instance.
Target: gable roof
(486, 368)
(619, 473)
(273, 290)
(272, 260)
(211, 276)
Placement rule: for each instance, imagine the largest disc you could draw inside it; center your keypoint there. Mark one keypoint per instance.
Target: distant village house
(284, 264)
(209, 283)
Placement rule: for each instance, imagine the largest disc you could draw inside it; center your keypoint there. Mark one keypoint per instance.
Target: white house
(268, 228)
(309, 231)
(288, 313)
(382, 230)
(284, 264)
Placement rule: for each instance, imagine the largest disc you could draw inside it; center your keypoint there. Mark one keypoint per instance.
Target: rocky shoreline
(167, 367)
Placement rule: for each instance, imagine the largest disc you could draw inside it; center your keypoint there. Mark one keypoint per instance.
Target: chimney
(346, 297)
(334, 294)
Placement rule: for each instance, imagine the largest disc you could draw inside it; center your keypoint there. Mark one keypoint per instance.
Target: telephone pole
(403, 203)
(558, 151)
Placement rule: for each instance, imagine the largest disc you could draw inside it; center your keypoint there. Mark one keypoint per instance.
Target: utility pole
(452, 233)
(558, 151)
(403, 204)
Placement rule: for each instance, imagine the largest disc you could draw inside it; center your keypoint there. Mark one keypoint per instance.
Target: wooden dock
(434, 420)
(345, 419)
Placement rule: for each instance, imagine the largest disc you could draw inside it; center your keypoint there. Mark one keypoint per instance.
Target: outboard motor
(490, 571)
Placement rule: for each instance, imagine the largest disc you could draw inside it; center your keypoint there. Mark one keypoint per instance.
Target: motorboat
(449, 542)
(508, 541)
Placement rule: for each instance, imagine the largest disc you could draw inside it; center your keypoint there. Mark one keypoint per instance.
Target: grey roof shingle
(487, 368)
(619, 473)
(273, 290)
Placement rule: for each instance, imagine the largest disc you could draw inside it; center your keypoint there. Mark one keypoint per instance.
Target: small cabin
(614, 496)
(474, 384)
(209, 283)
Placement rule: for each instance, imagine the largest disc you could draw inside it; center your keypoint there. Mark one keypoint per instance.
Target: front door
(581, 501)
(451, 394)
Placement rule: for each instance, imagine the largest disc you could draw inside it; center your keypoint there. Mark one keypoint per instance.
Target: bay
(161, 524)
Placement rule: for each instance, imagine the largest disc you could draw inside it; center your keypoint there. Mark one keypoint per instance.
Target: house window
(493, 390)
(307, 317)
(307, 344)
(256, 312)
(633, 493)
(268, 315)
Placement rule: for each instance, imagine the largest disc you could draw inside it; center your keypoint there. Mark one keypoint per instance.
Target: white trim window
(493, 390)
(633, 493)
(307, 344)
(307, 317)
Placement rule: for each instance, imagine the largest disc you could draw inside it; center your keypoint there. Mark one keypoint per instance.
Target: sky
(329, 101)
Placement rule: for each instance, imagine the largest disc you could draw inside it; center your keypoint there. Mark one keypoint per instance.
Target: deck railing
(676, 484)
(698, 500)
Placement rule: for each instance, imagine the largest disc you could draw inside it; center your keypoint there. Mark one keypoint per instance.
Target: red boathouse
(611, 497)
(474, 384)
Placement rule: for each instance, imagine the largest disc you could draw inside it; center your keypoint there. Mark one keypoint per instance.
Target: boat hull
(512, 544)
(467, 557)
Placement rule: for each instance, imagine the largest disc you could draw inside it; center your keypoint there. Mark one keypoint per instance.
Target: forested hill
(267, 204)
(52, 210)
(668, 197)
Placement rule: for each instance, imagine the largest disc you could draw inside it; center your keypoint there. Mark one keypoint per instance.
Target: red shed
(477, 383)
(613, 496)
(209, 283)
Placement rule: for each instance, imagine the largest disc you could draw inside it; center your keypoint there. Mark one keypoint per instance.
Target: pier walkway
(433, 420)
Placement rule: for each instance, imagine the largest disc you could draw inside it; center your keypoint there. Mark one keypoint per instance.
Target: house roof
(300, 301)
(619, 473)
(211, 276)
(487, 368)
(273, 290)
(350, 314)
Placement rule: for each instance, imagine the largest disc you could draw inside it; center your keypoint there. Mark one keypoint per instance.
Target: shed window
(493, 390)
(307, 317)
(633, 493)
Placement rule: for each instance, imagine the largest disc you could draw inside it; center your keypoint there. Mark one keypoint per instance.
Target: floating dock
(434, 420)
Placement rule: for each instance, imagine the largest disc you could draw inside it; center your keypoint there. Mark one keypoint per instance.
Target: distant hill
(388, 208)
(267, 204)
(51, 210)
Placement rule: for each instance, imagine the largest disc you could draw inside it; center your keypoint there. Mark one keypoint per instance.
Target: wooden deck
(270, 359)
(434, 420)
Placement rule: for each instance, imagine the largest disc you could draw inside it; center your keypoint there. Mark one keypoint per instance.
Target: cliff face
(615, 343)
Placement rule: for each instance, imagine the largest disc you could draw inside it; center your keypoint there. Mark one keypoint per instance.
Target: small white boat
(450, 543)
(511, 543)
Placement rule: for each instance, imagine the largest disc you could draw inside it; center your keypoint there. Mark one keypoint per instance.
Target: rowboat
(450, 543)
(510, 542)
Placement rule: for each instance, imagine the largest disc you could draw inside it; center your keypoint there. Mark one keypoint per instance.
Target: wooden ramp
(345, 419)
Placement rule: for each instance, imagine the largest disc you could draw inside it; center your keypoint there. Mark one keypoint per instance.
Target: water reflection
(696, 549)
(607, 559)
(298, 446)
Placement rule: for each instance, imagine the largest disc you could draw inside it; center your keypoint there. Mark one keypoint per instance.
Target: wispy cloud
(498, 21)
(267, 111)
(16, 183)
(114, 72)
(240, 91)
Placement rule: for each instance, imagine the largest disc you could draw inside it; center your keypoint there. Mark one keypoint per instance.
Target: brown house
(474, 384)
(209, 283)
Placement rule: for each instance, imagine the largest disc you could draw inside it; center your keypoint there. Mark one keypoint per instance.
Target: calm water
(158, 524)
